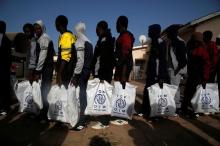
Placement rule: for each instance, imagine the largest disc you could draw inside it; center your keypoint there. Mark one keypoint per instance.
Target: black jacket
(5, 56)
(104, 50)
(180, 51)
(158, 51)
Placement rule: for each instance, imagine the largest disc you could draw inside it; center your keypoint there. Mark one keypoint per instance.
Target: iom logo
(58, 105)
(162, 102)
(29, 99)
(100, 97)
(206, 99)
(120, 103)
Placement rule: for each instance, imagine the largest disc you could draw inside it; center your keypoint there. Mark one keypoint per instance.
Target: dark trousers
(118, 74)
(190, 89)
(84, 77)
(146, 102)
(218, 79)
(47, 77)
(5, 90)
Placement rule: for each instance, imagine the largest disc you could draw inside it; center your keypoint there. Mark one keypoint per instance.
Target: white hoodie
(43, 41)
(80, 46)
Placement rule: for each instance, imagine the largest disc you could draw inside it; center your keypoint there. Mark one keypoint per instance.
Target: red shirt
(213, 55)
(124, 45)
(204, 54)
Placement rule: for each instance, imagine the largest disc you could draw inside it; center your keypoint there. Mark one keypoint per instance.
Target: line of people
(172, 60)
(76, 58)
(169, 60)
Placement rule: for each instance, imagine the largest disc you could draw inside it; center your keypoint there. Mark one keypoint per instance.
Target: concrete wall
(140, 54)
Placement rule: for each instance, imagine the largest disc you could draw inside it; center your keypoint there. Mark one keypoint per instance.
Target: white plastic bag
(29, 97)
(36, 91)
(162, 100)
(98, 98)
(63, 104)
(123, 100)
(206, 100)
(58, 104)
(73, 105)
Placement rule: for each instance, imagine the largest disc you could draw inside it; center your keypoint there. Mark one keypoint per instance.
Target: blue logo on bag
(100, 97)
(162, 102)
(206, 99)
(121, 103)
(58, 105)
(29, 99)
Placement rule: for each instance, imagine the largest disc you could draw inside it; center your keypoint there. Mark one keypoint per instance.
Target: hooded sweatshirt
(46, 49)
(83, 47)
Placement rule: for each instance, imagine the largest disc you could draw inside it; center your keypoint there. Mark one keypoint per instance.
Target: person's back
(67, 54)
(198, 69)
(198, 63)
(213, 54)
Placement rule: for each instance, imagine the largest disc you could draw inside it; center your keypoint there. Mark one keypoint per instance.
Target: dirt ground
(20, 130)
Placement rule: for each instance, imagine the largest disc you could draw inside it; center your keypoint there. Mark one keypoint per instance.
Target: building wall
(140, 58)
(186, 35)
(212, 24)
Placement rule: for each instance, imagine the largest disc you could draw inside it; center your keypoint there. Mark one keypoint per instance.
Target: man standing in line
(82, 70)
(123, 52)
(177, 60)
(44, 68)
(103, 63)
(123, 56)
(5, 64)
(103, 59)
(66, 52)
(157, 71)
(32, 52)
(213, 54)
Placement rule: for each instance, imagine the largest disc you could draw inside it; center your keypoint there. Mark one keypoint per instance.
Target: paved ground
(20, 130)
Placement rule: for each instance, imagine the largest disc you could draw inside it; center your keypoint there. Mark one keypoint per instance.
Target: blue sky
(141, 13)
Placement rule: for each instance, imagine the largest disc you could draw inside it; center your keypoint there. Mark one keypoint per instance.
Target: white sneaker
(3, 113)
(99, 126)
(78, 128)
(119, 122)
(140, 114)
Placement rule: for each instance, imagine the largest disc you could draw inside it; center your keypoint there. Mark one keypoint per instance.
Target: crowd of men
(169, 60)
(76, 58)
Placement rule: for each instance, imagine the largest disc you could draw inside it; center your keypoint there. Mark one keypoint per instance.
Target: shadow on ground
(21, 130)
